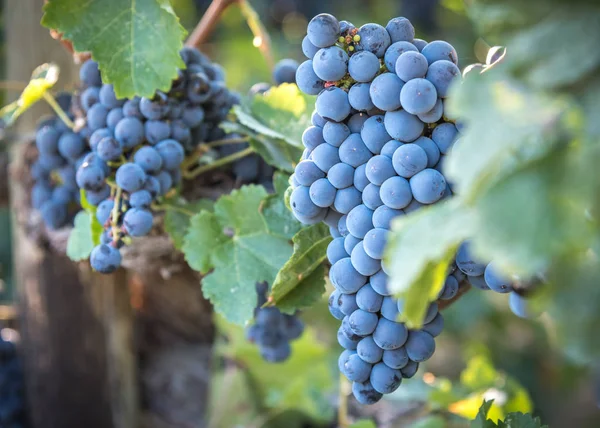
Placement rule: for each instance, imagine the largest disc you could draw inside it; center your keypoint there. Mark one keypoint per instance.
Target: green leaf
(242, 244)
(363, 423)
(273, 207)
(420, 247)
(431, 421)
(81, 242)
(481, 421)
(177, 217)
(520, 420)
(135, 42)
(480, 373)
(300, 282)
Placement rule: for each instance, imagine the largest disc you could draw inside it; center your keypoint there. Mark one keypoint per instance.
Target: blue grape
(374, 134)
(180, 132)
(359, 97)
(89, 97)
(385, 91)
(89, 73)
(411, 65)
(342, 226)
(496, 280)
(409, 159)
(98, 135)
(400, 29)
(359, 221)
(353, 151)
(365, 393)
(383, 216)
(165, 181)
(356, 370)
(334, 307)
(104, 210)
(368, 299)
(335, 250)
(332, 104)
(389, 334)
(105, 258)
(419, 44)
(379, 282)
(277, 353)
(322, 193)
(389, 309)
(137, 222)
(153, 109)
(285, 71)
(439, 50)
(51, 162)
(433, 153)
(347, 303)
(152, 185)
(346, 199)
(345, 277)
(141, 199)
(340, 175)
(129, 132)
(356, 122)
(306, 79)
(130, 177)
(396, 192)
(434, 114)
(46, 140)
(360, 179)
(379, 169)
(308, 49)
(450, 288)
(330, 64)
(428, 186)
(307, 172)
(520, 306)
(467, 263)
(350, 241)
(395, 51)
(384, 379)
(478, 282)
(302, 204)
(40, 193)
(323, 30)
(90, 176)
(418, 96)
(403, 126)
(193, 116)
(54, 214)
(149, 159)
(343, 358)
(157, 130)
(363, 66)
(312, 137)
(94, 197)
(131, 108)
(109, 149)
(395, 358)
(114, 116)
(371, 196)
(346, 27)
(441, 74)
(420, 346)
(325, 156)
(368, 351)
(171, 152)
(332, 218)
(444, 136)
(96, 117)
(361, 261)
(374, 242)
(335, 133)
(362, 322)
(435, 327)
(410, 369)
(374, 38)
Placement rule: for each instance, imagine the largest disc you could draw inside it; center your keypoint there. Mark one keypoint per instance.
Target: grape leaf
(135, 42)
(274, 208)
(363, 423)
(481, 421)
(420, 247)
(177, 217)
(81, 243)
(512, 420)
(300, 282)
(242, 245)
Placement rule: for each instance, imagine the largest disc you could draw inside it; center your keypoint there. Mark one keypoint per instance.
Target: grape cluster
(61, 150)
(138, 145)
(272, 331)
(12, 401)
(375, 152)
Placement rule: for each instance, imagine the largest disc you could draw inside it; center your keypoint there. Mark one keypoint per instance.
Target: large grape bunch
(375, 152)
(61, 150)
(272, 330)
(12, 400)
(138, 145)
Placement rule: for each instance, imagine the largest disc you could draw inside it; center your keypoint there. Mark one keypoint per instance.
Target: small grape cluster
(272, 331)
(138, 146)
(61, 150)
(12, 400)
(375, 152)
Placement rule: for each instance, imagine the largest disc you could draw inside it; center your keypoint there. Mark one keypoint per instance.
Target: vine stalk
(219, 162)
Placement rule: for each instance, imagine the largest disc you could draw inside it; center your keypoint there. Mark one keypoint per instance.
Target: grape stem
(202, 148)
(262, 40)
(115, 214)
(225, 141)
(159, 207)
(219, 162)
(463, 287)
(206, 25)
(58, 110)
(343, 421)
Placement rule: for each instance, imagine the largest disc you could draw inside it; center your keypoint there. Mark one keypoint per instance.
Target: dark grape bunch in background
(12, 399)
(272, 331)
(375, 152)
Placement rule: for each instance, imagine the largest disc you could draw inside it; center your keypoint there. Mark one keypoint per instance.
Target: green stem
(158, 207)
(205, 147)
(58, 110)
(216, 164)
(225, 141)
(115, 214)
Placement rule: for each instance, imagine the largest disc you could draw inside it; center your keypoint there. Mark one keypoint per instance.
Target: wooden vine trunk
(108, 351)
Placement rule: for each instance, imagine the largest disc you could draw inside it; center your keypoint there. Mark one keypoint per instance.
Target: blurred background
(484, 352)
